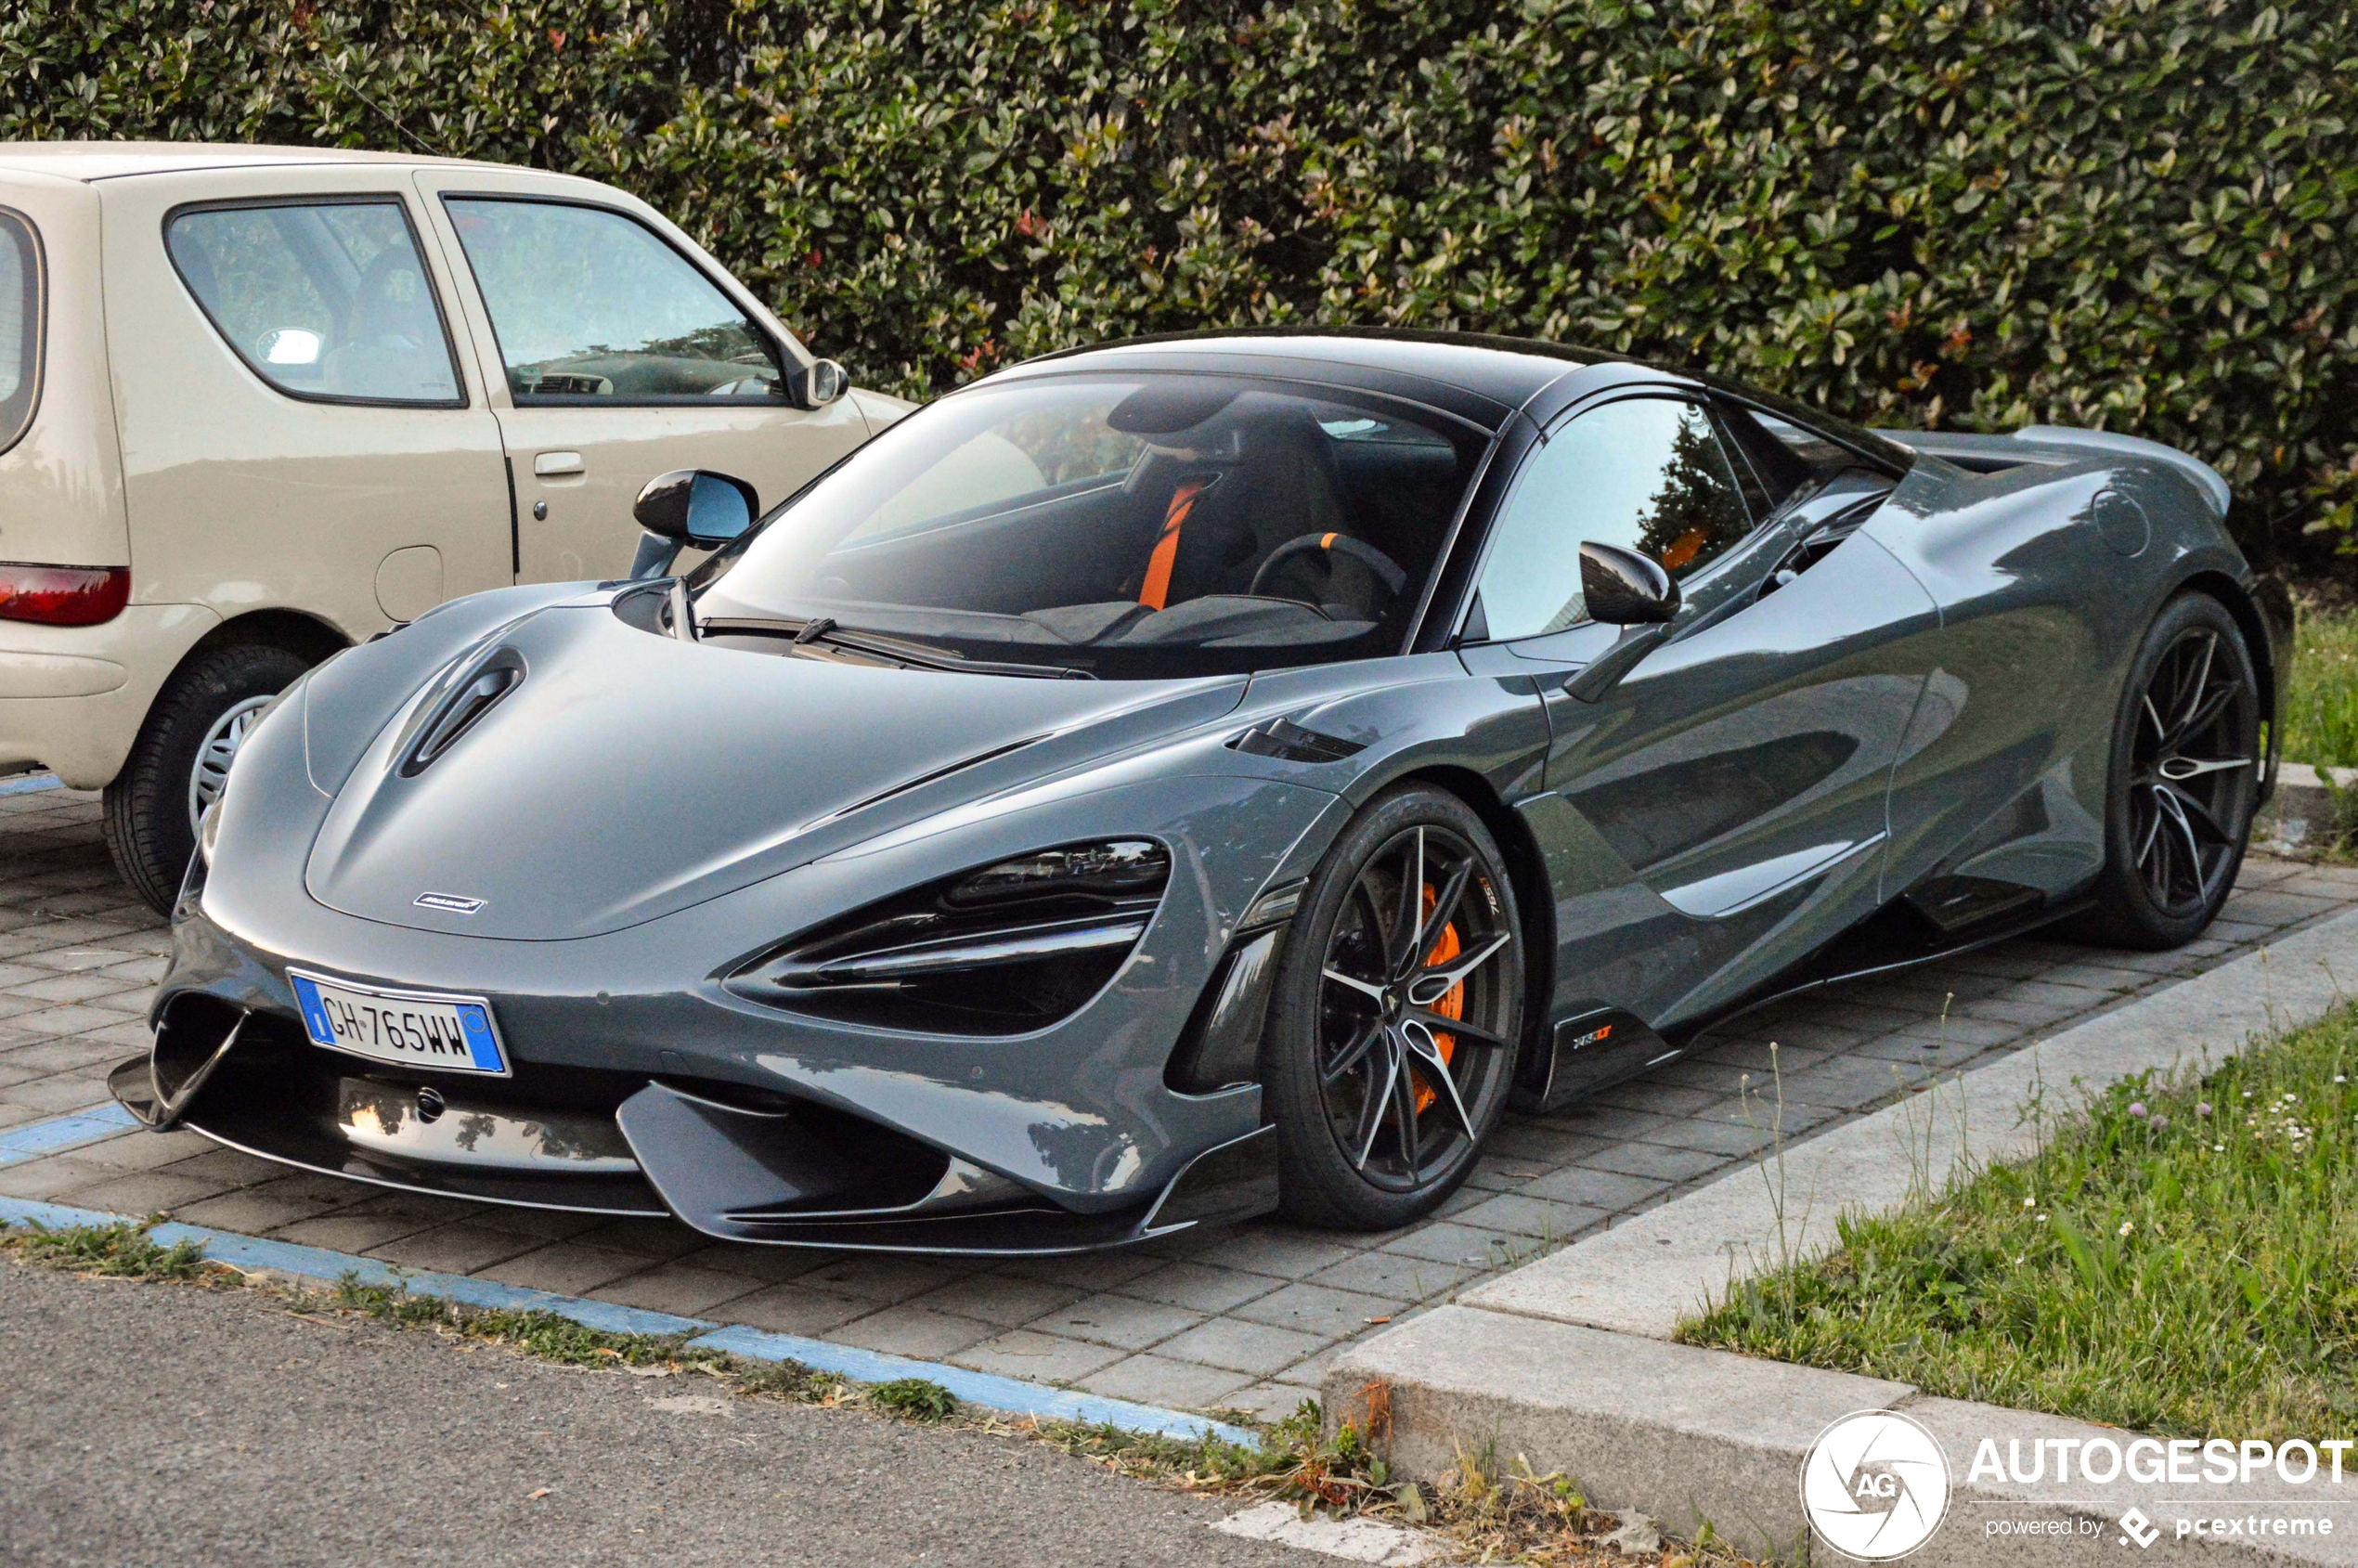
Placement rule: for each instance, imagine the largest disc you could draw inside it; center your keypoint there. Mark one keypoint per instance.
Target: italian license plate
(411, 1028)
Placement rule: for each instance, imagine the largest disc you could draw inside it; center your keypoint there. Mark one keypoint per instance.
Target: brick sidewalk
(1241, 1318)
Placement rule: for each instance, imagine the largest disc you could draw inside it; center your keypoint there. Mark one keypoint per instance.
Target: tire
(1380, 1114)
(148, 826)
(2182, 785)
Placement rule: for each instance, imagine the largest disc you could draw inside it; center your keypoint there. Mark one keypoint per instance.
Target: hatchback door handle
(556, 462)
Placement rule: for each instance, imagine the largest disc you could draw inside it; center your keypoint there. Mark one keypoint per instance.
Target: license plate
(412, 1028)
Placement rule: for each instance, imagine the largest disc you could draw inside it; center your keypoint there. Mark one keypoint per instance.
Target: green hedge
(2141, 214)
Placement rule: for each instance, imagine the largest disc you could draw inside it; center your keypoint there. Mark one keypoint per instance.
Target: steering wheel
(1387, 570)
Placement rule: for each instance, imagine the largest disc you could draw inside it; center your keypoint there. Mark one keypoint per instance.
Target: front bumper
(740, 1167)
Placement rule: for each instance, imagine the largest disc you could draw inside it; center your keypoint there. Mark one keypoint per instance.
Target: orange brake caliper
(1452, 1003)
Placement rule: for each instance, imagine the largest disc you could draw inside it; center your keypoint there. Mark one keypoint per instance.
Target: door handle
(546, 463)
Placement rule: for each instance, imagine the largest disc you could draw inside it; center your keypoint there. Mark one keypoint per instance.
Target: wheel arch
(307, 637)
(1534, 900)
(2268, 647)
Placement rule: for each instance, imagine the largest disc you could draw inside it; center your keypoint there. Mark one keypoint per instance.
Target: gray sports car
(1168, 782)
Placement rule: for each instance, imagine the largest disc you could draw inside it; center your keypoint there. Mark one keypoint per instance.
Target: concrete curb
(1566, 1361)
(2304, 811)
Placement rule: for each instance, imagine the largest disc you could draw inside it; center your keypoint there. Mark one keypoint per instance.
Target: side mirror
(1622, 587)
(816, 384)
(696, 508)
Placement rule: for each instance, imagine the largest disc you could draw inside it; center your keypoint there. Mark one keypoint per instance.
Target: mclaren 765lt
(1168, 781)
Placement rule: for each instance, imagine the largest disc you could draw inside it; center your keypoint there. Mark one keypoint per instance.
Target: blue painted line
(1011, 1394)
(977, 1388)
(71, 1131)
(33, 786)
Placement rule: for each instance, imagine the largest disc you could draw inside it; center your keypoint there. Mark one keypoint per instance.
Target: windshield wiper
(824, 630)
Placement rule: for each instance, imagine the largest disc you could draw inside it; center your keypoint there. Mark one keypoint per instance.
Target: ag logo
(1875, 1485)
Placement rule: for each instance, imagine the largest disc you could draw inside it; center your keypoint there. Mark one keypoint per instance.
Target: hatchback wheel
(181, 759)
(1399, 1005)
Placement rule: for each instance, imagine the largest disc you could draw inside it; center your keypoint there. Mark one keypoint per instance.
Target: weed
(915, 1398)
(123, 1251)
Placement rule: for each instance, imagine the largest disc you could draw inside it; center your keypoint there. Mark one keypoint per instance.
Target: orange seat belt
(1166, 551)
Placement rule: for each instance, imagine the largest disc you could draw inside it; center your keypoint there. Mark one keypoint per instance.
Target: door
(1727, 798)
(300, 422)
(616, 351)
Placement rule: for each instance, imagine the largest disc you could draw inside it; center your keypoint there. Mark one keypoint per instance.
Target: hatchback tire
(197, 723)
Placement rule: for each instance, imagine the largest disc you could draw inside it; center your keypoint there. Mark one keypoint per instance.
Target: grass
(1491, 1511)
(2321, 699)
(2181, 1260)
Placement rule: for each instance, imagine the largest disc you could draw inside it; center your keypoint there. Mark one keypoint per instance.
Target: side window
(324, 300)
(20, 324)
(589, 303)
(1648, 474)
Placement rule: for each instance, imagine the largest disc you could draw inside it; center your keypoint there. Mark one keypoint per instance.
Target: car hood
(626, 775)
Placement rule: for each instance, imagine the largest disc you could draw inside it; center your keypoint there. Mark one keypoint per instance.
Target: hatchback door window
(1648, 474)
(590, 305)
(19, 326)
(323, 299)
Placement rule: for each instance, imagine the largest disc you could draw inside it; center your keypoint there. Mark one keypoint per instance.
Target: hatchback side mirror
(1622, 587)
(816, 384)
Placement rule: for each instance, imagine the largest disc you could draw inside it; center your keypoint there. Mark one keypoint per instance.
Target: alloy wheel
(2192, 769)
(1413, 1003)
(215, 752)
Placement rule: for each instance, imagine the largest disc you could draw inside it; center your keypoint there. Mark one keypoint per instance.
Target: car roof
(113, 160)
(1480, 378)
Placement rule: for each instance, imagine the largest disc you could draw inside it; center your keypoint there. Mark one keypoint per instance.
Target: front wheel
(1399, 1004)
(2184, 782)
(181, 759)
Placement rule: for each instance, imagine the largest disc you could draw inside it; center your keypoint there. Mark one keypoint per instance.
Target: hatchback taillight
(63, 595)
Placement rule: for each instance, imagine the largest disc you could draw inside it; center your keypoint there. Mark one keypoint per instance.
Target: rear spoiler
(1990, 453)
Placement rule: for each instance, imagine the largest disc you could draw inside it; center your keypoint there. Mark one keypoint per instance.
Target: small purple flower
(2136, 1108)
(2159, 1123)
(2202, 1107)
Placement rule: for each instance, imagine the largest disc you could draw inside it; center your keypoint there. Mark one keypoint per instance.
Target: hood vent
(471, 696)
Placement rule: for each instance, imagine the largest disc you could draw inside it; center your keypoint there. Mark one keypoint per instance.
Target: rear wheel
(2185, 774)
(1391, 1045)
(181, 759)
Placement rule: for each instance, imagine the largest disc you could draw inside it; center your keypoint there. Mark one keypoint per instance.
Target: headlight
(1000, 951)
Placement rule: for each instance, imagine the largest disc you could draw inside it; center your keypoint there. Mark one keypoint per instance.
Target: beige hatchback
(257, 404)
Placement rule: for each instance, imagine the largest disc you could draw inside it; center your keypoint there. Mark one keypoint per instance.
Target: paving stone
(566, 1269)
(880, 1279)
(72, 1019)
(996, 1299)
(768, 1264)
(1458, 1245)
(1153, 1380)
(57, 1094)
(1603, 1190)
(1658, 1161)
(1285, 1252)
(41, 1180)
(1270, 1402)
(1521, 1215)
(1037, 1357)
(452, 1249)
(653, 1238)
(1322, 1310)
(1393, 1276)
(1098, 1271)
(251, 1212)
(1239, 1346)
(1729, 1138)
(546, 1225)
(229, 1166)
(794, 1308)
(911, 1330)
(1123, 1322)
(142, 1151)
(1198, 1286)
(677, 1288)
(1651, 1093)
(348, 1232)
(147, 1192)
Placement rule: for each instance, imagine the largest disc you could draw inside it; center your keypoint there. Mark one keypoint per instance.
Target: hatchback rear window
(324, 300)
(20, 324)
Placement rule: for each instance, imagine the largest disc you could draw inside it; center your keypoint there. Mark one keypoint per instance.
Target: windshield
(1136, 525)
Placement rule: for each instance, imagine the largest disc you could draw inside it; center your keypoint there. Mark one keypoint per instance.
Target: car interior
(1248, 526)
